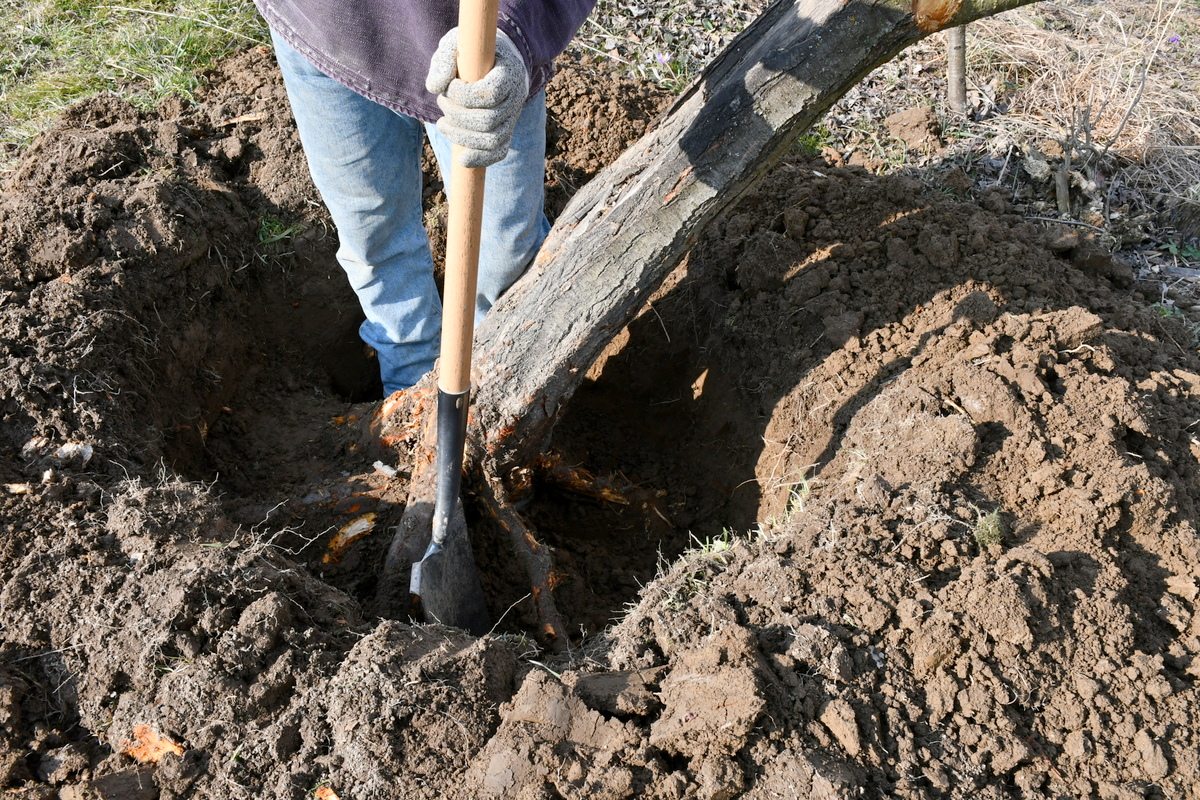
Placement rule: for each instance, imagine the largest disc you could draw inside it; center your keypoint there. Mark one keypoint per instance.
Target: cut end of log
(933, 15)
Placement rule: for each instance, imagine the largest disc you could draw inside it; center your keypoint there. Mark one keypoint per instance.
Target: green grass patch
(988, 530)
(272, 231)
(56, 52)
(701, 563)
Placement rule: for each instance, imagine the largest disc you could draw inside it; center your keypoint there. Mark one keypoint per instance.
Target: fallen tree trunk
(628, 228)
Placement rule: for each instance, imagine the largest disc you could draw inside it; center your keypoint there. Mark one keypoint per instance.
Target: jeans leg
(514, 219)
(365, 160)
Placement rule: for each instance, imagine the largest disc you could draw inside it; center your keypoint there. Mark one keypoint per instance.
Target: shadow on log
(624, 232)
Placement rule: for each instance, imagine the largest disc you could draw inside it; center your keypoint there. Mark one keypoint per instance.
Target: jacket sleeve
(542, 29)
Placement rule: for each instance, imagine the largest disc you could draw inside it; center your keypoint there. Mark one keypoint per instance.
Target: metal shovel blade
(446, 579)
(447, 582)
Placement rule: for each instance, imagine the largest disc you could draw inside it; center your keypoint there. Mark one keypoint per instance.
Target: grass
(275, 238)
(56, 52)
(797, 502)
(798, 496)
(669, 44)
(699, 564)
(712, 548)
(813, 141)
(1114, 84)
(271, 231)
(988, 530)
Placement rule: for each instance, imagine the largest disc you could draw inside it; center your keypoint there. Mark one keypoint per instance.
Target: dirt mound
(965, 456)
(976, 563)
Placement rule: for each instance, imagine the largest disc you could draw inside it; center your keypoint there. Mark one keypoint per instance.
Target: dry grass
(1105, 94)
(1114, 79)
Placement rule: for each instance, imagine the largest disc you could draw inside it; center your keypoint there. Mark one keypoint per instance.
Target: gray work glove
(479, 116)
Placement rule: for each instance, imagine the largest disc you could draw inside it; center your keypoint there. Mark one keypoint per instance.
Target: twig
(1129, 111)
(1004, 168)
(660, 322)
(47, 653)
(505, 614)
(1142, 86)
(1183, 273)
(587, 46)
(453, 719)
(1068, 222)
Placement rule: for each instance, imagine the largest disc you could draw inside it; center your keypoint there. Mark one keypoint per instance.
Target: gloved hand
(479, 116)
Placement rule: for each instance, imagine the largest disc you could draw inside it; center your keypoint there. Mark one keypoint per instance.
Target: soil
(903, 498)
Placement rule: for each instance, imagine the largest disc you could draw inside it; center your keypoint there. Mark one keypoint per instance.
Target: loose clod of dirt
(931, 475)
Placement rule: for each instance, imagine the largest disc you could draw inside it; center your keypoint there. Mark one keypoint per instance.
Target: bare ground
(964, 454)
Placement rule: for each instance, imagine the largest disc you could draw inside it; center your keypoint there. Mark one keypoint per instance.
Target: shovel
(445, 579)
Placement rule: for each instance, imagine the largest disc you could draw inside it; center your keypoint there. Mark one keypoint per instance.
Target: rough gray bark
(624, 232)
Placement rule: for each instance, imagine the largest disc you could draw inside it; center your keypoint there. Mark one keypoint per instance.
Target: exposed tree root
(623, 232)
(536, 558)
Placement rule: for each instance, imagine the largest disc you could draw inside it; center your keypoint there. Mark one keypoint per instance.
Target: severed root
(578, 480)
(412, 535)
(534, 556)
(394, 424)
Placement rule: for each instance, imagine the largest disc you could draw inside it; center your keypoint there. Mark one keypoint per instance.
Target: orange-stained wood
(150, 747)
(933, 15)
(348, 535)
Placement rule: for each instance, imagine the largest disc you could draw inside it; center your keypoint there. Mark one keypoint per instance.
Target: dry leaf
(150, 746)
(325, 793)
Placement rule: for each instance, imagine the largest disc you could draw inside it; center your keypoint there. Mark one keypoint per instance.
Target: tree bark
(956, 69)
(628, 228)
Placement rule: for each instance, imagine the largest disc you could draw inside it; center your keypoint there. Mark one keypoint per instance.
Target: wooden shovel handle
(476, 54)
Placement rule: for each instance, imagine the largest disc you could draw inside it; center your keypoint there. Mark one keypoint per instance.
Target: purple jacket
(381, 48)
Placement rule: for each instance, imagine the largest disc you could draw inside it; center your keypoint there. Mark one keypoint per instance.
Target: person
(365, 80)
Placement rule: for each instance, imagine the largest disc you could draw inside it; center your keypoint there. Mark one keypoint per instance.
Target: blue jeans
(365, 160)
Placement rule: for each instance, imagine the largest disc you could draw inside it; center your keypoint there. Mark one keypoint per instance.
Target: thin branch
(1128, 112)
(1067, 222)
